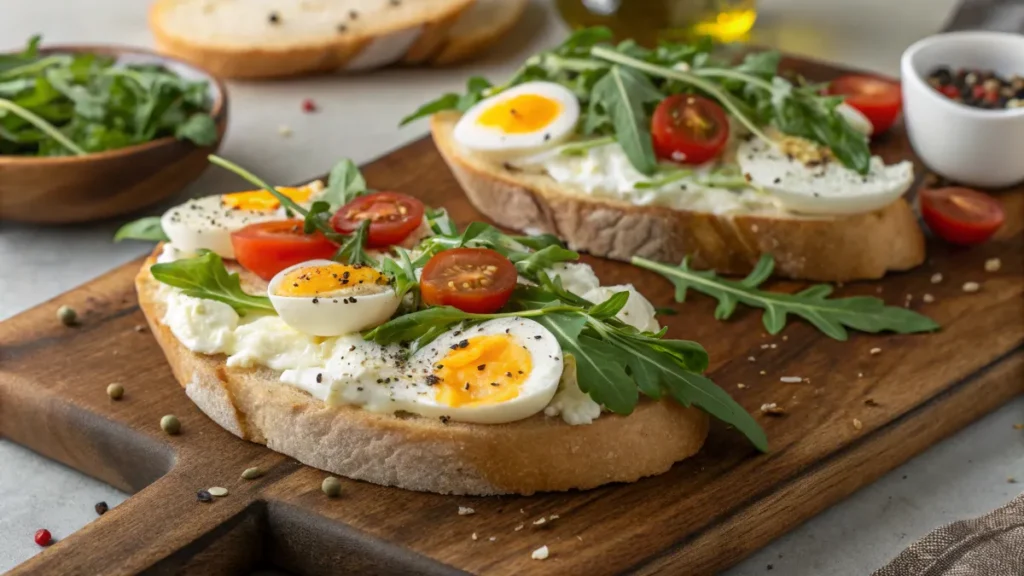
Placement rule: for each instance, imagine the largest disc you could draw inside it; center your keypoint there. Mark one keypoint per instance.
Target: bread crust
(315, 56)
(835, 249)
(461, 47)
(538, 454)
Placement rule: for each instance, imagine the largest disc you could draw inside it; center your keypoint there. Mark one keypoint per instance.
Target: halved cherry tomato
(880, 100)
(266, 248)
(475, 280)
(689, 129)
(392, 217)
(961, 215)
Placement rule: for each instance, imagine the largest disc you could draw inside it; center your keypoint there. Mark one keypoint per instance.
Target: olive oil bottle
(651, 21)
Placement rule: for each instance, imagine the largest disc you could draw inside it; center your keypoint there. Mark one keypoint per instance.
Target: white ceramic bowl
(983, 148)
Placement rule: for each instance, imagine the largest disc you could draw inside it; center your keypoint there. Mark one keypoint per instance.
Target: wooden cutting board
(704, 515)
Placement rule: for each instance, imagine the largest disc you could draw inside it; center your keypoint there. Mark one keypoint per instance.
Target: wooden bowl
(66, 189)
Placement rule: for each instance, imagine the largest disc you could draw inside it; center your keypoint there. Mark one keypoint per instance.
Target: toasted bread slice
(534, 455)
(483, 24)
(273, 38)
(841, 248)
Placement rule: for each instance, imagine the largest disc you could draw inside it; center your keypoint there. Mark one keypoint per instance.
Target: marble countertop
(963, 476)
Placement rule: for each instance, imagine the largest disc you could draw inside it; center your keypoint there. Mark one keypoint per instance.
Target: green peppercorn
(170, 424)
(115, 391)
(252, 473)
(331, 486)
(67, 315)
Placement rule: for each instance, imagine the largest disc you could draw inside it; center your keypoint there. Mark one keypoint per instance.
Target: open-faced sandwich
(624, 151)
(364, 334)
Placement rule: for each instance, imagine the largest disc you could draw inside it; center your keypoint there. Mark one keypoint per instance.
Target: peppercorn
(170, 424)
(115, 391)
(67, 315)
(204, 496)
(101, 508)
(43, 537)
(331, 487)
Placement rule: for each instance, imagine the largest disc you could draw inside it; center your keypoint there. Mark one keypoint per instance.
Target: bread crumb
(553, 517)
(1011, 480)
(993, 265)
(753, 228)
(518, 528)
(878, 290)
(763, 372)
(857, 424)
(540, 553)
(772, 409)
(790, 379)
(860, 374)
(774, 346)
(928, 298)
(580, 538)
(875, 351)
(764, 346)
(539, 521)
(493, 538)
(971, 287)
(473, 536)
(1018, 426)
(785, 338)
(466, 511)
(741, 385)
(284, 130)
(751, 359)
(936, 278)
(871, 402)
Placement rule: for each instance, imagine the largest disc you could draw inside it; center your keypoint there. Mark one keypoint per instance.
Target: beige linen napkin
(991, 545)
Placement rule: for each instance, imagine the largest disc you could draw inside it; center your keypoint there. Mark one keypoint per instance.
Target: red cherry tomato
(961, 215)
(689, 129)
(475, 280)
(392, 217)
(877, 99)
(266, 248)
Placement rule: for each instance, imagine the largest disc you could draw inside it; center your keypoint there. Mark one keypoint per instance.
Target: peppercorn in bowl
(963, 104)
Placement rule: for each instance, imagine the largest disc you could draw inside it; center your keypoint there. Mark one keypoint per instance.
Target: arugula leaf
(148, 229)
(610, 307)
(623, 94)
(690, 388)
(831, 316)
(352, 252)
(344, 184)
(402, 273)
(528, 264)
(206, 277)
(449, 101)
(199, 128)
(412, 327)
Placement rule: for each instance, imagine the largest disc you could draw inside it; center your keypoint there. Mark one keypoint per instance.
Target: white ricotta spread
(571, 403)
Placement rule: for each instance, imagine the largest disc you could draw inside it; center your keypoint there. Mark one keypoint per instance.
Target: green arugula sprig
(864, 313)
(148, 229)
(205, 276)
(81, 103)
(615, 362)
(618, 86)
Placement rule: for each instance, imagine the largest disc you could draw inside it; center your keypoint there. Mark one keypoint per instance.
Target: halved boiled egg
(325, 298)
(521, 120)
(501, 370)
(207, 223)
(806, 179)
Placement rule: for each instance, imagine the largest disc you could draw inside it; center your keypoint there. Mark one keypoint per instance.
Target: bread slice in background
(482, 25)
(274, 38)
(831, 249)
(538, 454)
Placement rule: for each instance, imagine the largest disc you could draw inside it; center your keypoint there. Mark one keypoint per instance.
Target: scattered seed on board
(936, 278)
(218, 491)
(252, 473)
(101, 508)
(540, 553)
(971, 286)
(928, 298)
(204, 496)
(993, 265)
(67, 315)
(466, 511)
(115, 391)
(875, 351)
(857, 424)
(331, 486)
(170, 424)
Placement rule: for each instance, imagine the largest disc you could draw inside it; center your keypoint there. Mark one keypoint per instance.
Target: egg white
(535, 392)
(827, 189)
(333, 313)
(206, 224)
(496, 142)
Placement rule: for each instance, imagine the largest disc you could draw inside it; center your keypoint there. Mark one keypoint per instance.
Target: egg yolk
(264, 201)
(482, 370)
(320, 280)
(521, 114)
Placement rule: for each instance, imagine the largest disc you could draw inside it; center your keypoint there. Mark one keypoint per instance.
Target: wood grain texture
(704, 515)
(67, 189)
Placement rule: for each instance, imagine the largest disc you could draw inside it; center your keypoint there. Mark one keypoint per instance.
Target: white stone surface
(964, 476)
